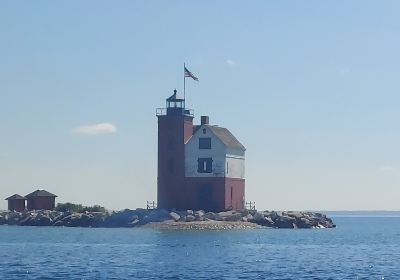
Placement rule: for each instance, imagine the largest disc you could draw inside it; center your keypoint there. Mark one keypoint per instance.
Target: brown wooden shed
(41, 200)
(16, 202)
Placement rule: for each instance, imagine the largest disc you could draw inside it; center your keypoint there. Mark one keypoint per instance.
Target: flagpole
(184, 86)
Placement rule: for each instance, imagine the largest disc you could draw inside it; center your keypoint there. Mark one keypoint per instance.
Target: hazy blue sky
(311, 88)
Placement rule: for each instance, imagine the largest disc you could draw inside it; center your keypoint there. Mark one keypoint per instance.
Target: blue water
(359, 248)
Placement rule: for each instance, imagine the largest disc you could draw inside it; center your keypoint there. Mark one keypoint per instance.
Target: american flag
(189, 74)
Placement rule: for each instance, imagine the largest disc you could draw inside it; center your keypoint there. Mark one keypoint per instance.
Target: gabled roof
(40, 193)
(16, 197)
(224, 135)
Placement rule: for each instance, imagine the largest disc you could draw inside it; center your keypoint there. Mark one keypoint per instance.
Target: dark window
(171, 166)
(204, 131)
(204, 165)
(205, 143)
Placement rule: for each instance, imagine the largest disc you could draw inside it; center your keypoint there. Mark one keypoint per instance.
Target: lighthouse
(199, 166)
(175, 126)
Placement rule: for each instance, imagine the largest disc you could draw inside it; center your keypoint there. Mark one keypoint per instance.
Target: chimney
(205, 120)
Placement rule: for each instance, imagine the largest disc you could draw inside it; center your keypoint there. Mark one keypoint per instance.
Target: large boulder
(258, 217)
(175, 216)
(212, 216)
(38, 218)
(157, 215)
(199, 214)
(25, 221)
(248, 218)
(86, 219)
(123, 218)
(43, 220)
(72, 220)
(295, 214)
(12, 218)
(285, 222)
(99, 218)
(2, 220)
(190, 218)
(230, 216)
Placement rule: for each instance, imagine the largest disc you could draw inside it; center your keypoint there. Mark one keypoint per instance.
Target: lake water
(359, 248)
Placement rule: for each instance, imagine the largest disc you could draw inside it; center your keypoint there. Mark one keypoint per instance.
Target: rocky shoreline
(162, 219)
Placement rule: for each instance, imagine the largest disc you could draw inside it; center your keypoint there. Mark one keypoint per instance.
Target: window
(205, 143)
(204, 165)
(204, 131)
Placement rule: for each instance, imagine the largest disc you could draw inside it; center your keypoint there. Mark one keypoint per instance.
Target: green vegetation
(94, 208)
(78, 208)
(69, 207)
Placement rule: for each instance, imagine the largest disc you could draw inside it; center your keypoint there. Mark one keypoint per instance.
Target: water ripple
(357, 249)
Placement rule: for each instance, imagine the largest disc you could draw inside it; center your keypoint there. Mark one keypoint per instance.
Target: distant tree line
(78, 208)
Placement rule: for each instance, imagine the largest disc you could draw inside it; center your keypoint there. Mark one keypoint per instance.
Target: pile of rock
(290, 219)
(140, 217)
(272, 219)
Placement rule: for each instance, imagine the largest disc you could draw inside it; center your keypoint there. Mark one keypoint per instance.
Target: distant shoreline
(362, 213)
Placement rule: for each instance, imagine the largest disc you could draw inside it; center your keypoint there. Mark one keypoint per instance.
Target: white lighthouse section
(202, 160)
(213, 151)
(235, 166)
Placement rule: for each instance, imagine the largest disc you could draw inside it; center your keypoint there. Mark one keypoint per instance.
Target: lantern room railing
(176, 111)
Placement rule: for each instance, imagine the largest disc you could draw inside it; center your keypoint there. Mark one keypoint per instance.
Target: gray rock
(199, 213)
(212, 216)
(268, 221)
(43, 221)
(74, 220)
(59, 223)
(134, 223)
(272, 214)
(131, 218)
(249, 217)
(190, 218)
(123, 218)
(200, 218)
(25, 221)
(158, 215)
(285, 222)
(175, 216)
(258, 217)
(230, 216)
(297, 215)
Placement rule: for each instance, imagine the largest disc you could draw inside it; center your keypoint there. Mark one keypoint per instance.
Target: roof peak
(16, 197)
(222, 134)
(41, 192)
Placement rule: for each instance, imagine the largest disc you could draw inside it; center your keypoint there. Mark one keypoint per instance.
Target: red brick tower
(175, 127)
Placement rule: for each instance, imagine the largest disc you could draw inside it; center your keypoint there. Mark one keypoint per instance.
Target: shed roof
(224, 135)
(40, 193)
(16, 197)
